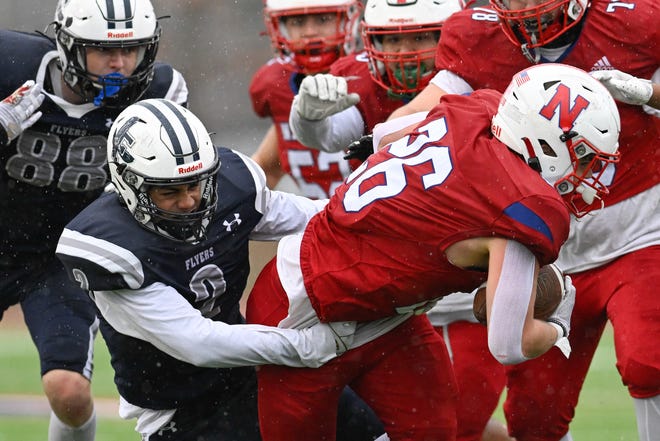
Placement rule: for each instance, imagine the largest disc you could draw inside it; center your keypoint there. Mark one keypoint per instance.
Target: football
(549, 292)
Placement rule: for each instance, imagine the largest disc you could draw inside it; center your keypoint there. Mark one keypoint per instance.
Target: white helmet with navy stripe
(157, 142)
(80, 24)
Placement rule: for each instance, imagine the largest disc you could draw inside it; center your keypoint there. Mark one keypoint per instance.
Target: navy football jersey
(58, 166)
(211, 275)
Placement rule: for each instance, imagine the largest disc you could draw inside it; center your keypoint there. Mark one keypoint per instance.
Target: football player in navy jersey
(165, 259)
(52, 164)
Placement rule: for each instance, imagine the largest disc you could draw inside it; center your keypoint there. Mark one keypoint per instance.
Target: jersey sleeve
(95, 264)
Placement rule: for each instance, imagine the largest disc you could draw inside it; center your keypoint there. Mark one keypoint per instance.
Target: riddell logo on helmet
(120, 34)
(190, 168)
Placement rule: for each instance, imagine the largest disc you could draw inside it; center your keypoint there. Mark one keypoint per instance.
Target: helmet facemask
(313, 55)
(401, 38)
(547, 24)
(80, 25)
(402, 74)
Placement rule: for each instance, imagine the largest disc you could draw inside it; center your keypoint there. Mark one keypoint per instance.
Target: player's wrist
(561, 330)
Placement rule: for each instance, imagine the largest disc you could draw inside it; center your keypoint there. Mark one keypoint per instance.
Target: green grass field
(604, 413)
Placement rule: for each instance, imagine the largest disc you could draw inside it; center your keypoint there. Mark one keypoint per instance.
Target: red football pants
(543, 393)
(404, 375)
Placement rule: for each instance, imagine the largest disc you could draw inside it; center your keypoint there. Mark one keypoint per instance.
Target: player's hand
(322, 95)
(17, 111)
(625, 87)
(344, 333)
(360, 149)
(562, 316)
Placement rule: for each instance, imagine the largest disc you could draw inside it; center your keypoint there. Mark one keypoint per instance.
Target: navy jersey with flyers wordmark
(57, 166)
(108, 246)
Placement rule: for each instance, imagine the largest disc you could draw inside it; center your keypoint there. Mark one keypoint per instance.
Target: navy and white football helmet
(80, 24)
(157, 142)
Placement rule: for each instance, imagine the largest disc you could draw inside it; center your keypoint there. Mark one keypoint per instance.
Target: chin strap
(532, 55)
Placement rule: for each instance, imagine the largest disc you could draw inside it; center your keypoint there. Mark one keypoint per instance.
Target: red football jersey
(316, 173)
(615, 35)
(375, 104)
(380, 243)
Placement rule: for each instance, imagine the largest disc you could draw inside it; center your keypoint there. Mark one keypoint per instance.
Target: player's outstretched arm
(18, 111)
(323, 115)
(160, 315)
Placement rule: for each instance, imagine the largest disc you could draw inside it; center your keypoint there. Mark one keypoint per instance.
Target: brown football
(549, 291)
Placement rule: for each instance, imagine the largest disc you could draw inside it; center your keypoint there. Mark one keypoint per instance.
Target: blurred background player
(400, 41)
(611, 256)
(166, 260)
(421, 219)
(307, 36)
(53, 164)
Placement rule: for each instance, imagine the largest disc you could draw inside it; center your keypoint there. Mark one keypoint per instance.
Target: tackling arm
(161, 316)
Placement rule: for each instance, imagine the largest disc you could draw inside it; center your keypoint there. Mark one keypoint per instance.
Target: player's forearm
(161, 316)
(331, 134)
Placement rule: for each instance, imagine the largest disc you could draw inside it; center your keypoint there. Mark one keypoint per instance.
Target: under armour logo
(230, 224)
(169, 426)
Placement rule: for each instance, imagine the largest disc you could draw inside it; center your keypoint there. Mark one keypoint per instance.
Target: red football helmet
(541, 24)
(403, 72)
(312, 54)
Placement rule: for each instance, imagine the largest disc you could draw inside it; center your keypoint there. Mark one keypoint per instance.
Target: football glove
(17, 111)
(322, 95)
(624, 87)
(561, 318)
(360, 149)
(344, 333)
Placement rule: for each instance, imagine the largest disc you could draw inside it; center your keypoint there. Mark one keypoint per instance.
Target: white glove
(625, 87)
(561, 318)
(344, 333)
(17, 111)
(322, 95)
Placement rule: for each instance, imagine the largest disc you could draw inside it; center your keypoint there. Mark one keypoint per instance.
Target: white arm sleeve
(512, 296)
(159, 315)
(451, 83)
(284, 214)
(394, 125)
(331, 134)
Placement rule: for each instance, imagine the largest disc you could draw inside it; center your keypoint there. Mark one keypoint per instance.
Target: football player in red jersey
(52, 138)
(421, 219)
(611, 262)
(307, 36)
(400, 41)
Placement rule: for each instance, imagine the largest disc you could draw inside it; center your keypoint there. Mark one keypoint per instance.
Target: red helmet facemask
(539, 25)
(314, 55)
